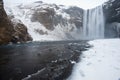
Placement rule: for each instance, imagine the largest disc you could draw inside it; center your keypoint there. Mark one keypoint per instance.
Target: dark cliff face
(112, 11)
(10, 32)
(112, 16)
(6, 28)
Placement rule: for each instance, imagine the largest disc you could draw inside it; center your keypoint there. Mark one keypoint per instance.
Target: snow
(100, 62)
(24, 14)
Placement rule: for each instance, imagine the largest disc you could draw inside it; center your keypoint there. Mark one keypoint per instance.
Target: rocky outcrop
(76, 15)
(112, 16)
(112, 11)
(20, 33)
(45, 17)
(54, 15)
(6, 28)
(10, 32)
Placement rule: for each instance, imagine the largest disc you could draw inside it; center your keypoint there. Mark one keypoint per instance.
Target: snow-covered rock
(48, 21)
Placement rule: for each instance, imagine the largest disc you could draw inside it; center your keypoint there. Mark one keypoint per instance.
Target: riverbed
(40, 60)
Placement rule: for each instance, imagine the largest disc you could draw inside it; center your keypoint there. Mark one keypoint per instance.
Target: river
(39, 60)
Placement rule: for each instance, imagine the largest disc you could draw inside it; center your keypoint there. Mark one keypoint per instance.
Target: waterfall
(93, 23)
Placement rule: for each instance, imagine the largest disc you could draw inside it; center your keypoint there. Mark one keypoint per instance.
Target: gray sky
(80, 3)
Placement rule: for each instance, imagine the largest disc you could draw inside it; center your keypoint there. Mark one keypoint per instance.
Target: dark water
(17, 61)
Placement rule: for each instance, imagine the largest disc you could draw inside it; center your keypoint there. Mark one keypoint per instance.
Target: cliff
(49, 21)
(10, 32)
(112, 11)
(6, 28)
(112, 16)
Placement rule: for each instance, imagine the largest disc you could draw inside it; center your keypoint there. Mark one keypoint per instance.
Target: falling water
(93, 24)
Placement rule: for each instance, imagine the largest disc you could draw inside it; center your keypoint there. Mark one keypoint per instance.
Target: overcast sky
(80, 3)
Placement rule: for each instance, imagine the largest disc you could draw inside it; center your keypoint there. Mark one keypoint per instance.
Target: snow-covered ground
(100, 62)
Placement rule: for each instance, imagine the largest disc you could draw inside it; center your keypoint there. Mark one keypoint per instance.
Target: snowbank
(101, 62)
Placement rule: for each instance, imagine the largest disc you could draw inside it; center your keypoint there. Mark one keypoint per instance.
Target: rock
(6, 28)
(11, 32)
(113, 30)
(112, 11)
(112, 16)
(76, 15)
(20, 32)
(52, 16)
(44, 16)
(41, 32)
